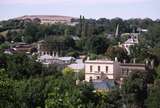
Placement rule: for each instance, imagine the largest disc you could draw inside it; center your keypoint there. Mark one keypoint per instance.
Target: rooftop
(103, 85)
(78, 65)
(99, 61)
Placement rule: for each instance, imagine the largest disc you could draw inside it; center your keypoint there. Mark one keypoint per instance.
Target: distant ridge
(48, 18)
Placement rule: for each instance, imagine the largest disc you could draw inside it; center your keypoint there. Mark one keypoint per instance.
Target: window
(99, 68)
(90, 68)
(98, 77)
(54, 53)
(106, 69)
(127, 73)
(51, 53)
(90, 79)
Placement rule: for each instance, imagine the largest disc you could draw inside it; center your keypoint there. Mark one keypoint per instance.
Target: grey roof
(46, 56)
(78, 65)
(66, 58)
(104, 85)
(75, 38)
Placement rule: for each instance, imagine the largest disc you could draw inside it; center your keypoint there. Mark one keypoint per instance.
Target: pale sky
(89, 8)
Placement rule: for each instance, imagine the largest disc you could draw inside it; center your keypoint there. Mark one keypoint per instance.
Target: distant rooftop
(99, 61)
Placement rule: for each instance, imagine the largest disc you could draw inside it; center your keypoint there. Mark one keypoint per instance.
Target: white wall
(95, 72)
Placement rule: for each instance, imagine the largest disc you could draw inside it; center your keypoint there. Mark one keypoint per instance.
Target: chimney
(146, 61)
(152, 64)
(57, 54)
(115, 59)
(53, 54)
(134, 60)
(119, 43)
(124, 61)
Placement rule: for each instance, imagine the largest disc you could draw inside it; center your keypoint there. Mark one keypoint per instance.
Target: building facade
(105, 69)
(128, 68)
(43, 49)
(101, 69)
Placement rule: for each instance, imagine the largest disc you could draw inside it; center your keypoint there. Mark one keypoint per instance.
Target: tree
(97, 44)
(153, 95)
(152, 37)
(6, 90)
(32, 92)
(68, 72)
(134, 91)
(2, 39)
(21, 66)
(30, 33)
(118, 52)
(114, 99)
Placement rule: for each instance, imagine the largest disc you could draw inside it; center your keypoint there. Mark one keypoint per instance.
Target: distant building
(67, 60)
(21, 47)
(105, 69)
(131, 41)
(51, 19)
(48, 55)
(77, 66)
(141, 30)
(48, 59)
(43, 49)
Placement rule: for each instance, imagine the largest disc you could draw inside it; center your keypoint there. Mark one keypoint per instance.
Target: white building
(130, 42)
(67, 60)
(105, 69)
(101, 69)
(77, 66)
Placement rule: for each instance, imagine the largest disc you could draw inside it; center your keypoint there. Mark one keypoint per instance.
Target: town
(51, 61)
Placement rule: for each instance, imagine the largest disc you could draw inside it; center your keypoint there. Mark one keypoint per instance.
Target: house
(43, 49)
(49, 59)
(106, 69)
(21, 47)
(50, 55)
(101, 69)
(131, 41)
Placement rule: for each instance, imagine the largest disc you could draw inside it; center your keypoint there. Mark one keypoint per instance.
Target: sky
(89, 8)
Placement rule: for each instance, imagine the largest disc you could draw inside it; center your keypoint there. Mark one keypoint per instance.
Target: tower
(117, 31)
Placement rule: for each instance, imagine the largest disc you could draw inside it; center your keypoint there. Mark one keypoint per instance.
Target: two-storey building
(101, 69)
(106, 69)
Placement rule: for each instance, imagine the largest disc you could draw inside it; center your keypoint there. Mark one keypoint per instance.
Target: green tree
(152, 37)
(6, 90)
(68, 71)
(97, 44)
(154, 95)
(118, 52)
(21, 66)
(134, 91)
